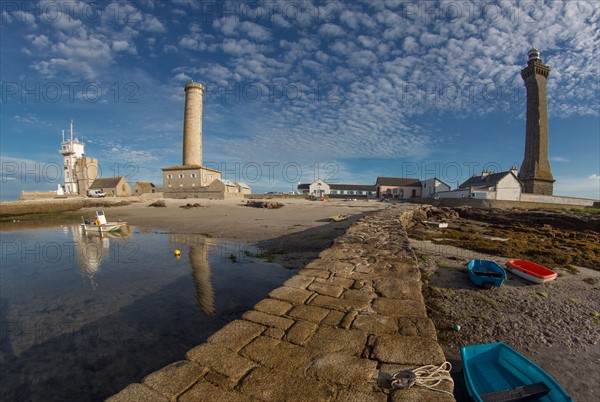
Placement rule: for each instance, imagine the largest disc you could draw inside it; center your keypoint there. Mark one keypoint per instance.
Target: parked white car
(96, 193)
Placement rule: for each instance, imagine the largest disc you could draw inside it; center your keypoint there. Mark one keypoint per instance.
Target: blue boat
(485, 273)
(496, 372)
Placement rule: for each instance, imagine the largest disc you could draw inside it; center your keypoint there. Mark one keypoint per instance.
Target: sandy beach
(293, 234)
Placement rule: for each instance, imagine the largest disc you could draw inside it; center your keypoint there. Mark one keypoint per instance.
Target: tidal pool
(82, 316)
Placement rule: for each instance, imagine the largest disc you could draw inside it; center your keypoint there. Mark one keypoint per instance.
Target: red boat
(530, 271)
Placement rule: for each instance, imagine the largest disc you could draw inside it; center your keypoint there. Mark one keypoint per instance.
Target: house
(490, 186)
(242, 188)
(320, 189)
(115, 186)
(142, 187)
(431, 187)
(398, 188)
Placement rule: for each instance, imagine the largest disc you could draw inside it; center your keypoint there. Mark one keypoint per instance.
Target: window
(414, 193)
(193, 175)
(395, 191)
(169, 176)
(334, 192)
(181, 175)
(388, 191)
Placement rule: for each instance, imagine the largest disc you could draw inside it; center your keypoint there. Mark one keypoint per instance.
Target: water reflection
(199, 247)
(60, 340)
(93, 247)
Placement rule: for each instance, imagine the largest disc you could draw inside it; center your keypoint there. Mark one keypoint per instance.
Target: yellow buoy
(177, 253)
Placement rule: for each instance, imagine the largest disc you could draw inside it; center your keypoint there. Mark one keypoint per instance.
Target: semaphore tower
(535, 171)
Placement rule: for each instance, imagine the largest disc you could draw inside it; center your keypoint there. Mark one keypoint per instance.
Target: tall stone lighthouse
(191, 179)
(192, 124)
(535, 171)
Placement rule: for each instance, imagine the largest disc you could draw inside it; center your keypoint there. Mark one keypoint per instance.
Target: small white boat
(100, 225)
(440, 225)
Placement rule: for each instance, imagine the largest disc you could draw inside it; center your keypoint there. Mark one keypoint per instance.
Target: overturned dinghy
(495, 372)
(338, 218)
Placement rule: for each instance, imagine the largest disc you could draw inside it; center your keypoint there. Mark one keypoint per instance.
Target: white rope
(429, 377)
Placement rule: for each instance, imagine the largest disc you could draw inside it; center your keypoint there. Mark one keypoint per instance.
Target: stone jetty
(336, 331)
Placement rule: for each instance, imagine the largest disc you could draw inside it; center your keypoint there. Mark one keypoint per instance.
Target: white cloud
(151, 24)
(331, 30)
(594, 177)
(559, 159)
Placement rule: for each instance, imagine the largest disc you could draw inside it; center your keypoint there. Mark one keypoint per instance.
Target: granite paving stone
(301, 332)
(278, 354)
(309, 313)
(221, 360)
(274, 385)
(205, 391)
(138, 392)
(330, 340)
(299, 281)
(273, 306)
(407, 350)
(175, 378)
(326, 289)
(399, 308)
(268, 319)
(236, 334)
(375, 324)
(344, 369)
(292, 295)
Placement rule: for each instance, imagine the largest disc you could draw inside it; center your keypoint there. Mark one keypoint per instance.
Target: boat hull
(496, 367)
(104, 228)
(485, 273)
(530, 271)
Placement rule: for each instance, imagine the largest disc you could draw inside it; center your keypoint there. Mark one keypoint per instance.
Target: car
(96, 193)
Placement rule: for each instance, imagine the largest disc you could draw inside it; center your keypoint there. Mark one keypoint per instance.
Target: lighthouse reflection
(199, 251)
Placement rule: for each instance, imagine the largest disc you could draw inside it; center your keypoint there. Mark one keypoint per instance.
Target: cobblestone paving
(337, 331)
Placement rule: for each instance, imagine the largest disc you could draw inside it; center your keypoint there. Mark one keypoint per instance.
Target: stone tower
(535, 171)
(192, 125)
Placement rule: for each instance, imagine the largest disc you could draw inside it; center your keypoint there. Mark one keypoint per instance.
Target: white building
(489, 186)
(71, 150)
(320, 189)
(431, 187)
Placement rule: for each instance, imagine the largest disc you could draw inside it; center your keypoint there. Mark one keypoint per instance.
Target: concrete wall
(556, 199)
(37, 195)
(489, 204)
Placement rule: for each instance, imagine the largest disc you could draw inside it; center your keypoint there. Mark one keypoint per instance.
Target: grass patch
(541, 294)
(443, 265)
(424, 257)
(573, 300)
(489, 301)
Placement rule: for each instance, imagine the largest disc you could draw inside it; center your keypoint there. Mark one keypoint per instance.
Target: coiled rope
(429, 377)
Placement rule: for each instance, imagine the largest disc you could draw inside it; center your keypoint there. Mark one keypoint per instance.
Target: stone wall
(501, 204)
(337, 331)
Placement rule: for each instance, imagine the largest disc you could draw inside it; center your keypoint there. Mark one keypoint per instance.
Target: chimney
(485, 173)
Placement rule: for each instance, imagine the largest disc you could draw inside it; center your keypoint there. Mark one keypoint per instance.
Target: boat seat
(487, 273)
(518, 394)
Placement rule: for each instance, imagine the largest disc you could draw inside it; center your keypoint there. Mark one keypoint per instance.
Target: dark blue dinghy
(495, 372)
(485, 273)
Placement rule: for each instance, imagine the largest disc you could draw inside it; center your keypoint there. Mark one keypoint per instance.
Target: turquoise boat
(495, 372)
(485, 273)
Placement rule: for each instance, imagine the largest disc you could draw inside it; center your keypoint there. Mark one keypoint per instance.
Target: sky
(297, 90)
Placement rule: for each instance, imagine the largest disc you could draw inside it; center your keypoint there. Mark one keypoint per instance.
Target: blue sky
(295, 90)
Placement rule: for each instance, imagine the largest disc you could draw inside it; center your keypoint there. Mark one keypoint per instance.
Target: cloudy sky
(297, 90)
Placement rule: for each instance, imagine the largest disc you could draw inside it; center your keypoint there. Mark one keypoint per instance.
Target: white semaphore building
(71, 150)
